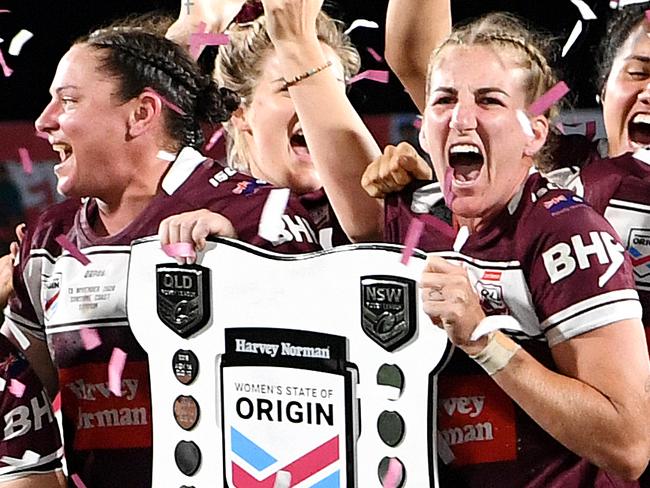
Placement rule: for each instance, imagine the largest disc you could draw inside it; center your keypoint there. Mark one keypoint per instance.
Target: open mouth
(64, 150)
(299, 144)
(638, 130)
(466, 162)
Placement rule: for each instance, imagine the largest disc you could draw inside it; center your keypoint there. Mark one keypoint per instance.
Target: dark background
(56, 23)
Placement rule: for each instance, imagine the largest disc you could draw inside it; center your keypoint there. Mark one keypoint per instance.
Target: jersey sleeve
(580, 276)
(24, 313)
(30, 436)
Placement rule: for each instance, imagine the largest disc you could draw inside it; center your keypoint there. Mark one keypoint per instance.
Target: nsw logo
(639, 250)
(388, 310)
(50, 294)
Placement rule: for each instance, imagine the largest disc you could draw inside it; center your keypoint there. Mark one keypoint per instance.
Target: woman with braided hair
(534, 404)
(125, 119)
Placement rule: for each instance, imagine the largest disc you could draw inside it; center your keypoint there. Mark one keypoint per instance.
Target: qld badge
(388, 313)
(183, 297)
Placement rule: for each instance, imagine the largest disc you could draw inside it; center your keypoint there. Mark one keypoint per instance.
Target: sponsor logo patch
(476, 419)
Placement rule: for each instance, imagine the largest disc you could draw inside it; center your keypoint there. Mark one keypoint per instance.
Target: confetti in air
(524, 121)
(369, 24)
(16, 388)
(214, 138)
(74, 251)
(90, 339)
(575, 33)
(376, 56)
(282, 479)
(25, 160)
(166, 102)
(19, 41)
(461, 238)
(380, 76)
(115, 369)
(77, 481)
(585, 10)
(548, 99)
(394, 474)
(412, 239)
(179, 250)
(271, 223)
(6, 70)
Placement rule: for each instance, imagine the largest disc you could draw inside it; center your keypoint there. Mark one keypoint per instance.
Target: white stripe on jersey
(631, 205)
(590, 314)
(18, 467)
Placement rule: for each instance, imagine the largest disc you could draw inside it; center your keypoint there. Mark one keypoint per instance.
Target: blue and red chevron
(301, 469)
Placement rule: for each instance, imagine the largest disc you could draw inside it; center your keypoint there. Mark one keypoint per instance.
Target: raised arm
(217, 15)
(339, 143)
(414, 28)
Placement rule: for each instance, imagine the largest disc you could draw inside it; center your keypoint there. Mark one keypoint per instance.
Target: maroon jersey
(30, 434)
(108, 437)
(329, 229)
(555, 265)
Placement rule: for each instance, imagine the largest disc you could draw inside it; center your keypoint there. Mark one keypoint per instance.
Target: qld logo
(639, 250)
(50, 294)
(309, 470)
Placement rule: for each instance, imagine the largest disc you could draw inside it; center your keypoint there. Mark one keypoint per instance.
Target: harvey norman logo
(284, 349)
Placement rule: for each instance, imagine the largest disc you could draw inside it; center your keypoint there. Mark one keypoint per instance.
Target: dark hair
(140, 58)
(619, 28)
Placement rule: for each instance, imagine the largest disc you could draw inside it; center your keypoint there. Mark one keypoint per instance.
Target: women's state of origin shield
(321, 366)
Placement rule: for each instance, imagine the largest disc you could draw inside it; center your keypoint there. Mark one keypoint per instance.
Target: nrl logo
(183, 297)
(388, 310)
(639, 250)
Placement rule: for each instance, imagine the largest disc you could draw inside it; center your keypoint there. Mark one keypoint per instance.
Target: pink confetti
(412, 239)
(447, 192)
(77, 481)
(74, 251)
(42, 135)
(166, 102)
(115, 369)
(195, 48)
(5, 69)
(90, 339)
(25, 160)
(647, 15)
(214, 138)
(16, 388)
(380, 76)
(377, 57)
(56, 404)
(417, 122)
(179, 250)
(393, 474)
(4, 11)
(546, 101)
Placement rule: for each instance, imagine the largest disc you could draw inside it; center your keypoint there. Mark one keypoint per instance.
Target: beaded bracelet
(305, 75)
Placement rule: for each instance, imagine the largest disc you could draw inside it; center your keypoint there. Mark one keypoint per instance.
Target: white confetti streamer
(585, 10)
(575, 33)
(525, 123)
(271, 225)
(362, 23)
(19, 41)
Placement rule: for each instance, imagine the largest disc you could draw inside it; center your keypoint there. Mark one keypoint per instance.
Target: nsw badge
(388, 310)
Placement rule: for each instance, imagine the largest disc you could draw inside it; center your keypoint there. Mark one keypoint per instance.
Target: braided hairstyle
(620, 27)
(239, 65)
(140, 58)
(527, 48)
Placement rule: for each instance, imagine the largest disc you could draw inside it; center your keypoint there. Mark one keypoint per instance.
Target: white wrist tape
(496, 354)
